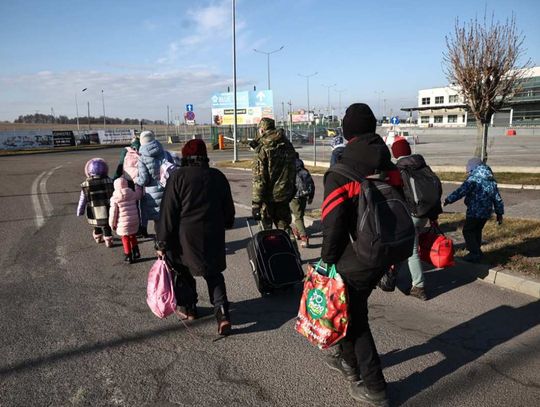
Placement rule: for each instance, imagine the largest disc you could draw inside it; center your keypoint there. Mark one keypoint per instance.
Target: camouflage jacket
(274, 170)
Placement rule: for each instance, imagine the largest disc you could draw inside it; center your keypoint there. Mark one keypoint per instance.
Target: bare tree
(482, 60)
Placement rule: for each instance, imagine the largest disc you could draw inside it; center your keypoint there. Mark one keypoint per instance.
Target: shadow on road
(461, 345)
(266, 313)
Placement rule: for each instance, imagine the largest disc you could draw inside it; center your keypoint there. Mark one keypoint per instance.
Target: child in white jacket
(124, 217)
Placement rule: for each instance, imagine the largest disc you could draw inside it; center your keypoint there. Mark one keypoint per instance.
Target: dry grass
(515, 245)
(501, 177)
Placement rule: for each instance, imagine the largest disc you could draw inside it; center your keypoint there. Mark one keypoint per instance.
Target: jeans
(358, 347)
(413, 262)
(472, 232)
(298, 208)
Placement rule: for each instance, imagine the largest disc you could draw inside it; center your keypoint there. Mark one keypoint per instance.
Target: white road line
(35, 201)
(41, 183)
(43, 191)
(242, 206)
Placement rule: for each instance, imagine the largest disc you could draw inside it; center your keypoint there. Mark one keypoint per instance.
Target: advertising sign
(63, 138)
(25, 139)
(251, 106)
(116, 136)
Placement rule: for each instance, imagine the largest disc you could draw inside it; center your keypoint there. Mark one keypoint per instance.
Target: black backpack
(384, 230)
(305, 187)
(421, 186)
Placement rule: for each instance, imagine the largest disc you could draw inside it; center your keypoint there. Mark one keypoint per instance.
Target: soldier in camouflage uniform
(274, 176)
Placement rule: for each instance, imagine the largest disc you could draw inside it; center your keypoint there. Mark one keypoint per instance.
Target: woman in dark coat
(196, 209)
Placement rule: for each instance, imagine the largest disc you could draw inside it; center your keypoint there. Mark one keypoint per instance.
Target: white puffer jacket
(124, 212)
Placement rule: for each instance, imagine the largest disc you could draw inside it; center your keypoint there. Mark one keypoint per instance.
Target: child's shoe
(136, 253)
(128, 258)
(304, 241)
(98, 237)
(108, 241)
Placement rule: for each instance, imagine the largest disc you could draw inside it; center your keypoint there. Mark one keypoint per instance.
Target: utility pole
(290, 120)
(340, 113)
(167, 130)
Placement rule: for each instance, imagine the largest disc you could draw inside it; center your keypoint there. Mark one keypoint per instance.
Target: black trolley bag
(274, 260)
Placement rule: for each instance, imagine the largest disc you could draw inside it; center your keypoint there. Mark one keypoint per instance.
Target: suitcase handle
(249, 227)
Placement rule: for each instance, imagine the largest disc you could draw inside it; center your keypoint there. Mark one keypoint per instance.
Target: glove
(445, 202)
(256, 210)
(499, 219)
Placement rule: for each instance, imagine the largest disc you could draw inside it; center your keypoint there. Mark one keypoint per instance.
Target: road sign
(190, 115)
(394, 120)
(189, 108)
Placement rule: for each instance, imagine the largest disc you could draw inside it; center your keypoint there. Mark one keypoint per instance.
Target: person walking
(482, 197)
(152, 156)
(94, 199)
(337, 144)
(423, 191)
(128, 163)
(305, 191)
(274, 176)
(196, 209)
(366, 154)
(124, 217)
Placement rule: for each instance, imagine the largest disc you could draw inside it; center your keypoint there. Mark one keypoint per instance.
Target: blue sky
(146, 55)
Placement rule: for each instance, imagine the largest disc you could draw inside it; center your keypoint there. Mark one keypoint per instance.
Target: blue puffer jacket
(152, 156)
(481, 194)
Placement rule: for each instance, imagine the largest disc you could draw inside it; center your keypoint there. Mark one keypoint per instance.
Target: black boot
(223, 320)
(129, 258)
(136, 253)
(143, 232)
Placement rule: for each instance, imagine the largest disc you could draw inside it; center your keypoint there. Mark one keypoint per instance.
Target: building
(445, 107)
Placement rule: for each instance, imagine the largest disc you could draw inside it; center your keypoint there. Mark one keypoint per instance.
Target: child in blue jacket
(481, 197)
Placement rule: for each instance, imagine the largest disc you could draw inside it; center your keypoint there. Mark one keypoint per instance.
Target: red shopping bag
(323, 316)
(436, 248)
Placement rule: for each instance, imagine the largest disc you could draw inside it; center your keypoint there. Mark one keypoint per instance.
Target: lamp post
(77, 110)
(235, 123)
(268, 60)
(103, 104)
(328, 87)
(309, 121)
(340, 114)
(379, 93)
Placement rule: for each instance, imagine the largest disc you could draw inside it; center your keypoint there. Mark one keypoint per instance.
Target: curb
(496, 276)
(503, 279)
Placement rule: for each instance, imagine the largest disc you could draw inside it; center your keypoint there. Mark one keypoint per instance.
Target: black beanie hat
(358, 119)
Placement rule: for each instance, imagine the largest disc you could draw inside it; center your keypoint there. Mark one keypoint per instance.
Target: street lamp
(235, 123)
(268, 60)
(103, 104)
(340, 91)
(328, 88)
(379, 93)
(307, 80)
(77, 110)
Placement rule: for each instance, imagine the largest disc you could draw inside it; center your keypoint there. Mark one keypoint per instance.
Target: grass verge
(502, 177)
(514, 246)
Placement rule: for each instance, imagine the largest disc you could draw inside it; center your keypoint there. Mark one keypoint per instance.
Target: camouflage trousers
(298, 208)
(276, 213)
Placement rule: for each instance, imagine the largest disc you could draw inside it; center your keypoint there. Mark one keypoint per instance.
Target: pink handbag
(160, 290)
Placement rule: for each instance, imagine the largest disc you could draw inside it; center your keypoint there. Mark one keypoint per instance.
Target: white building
(440, 107)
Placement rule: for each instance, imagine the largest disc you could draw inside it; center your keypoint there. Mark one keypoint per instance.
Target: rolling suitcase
(273, 259)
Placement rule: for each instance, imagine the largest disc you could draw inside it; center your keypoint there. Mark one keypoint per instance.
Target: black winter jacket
(367, 155)
(196, 208)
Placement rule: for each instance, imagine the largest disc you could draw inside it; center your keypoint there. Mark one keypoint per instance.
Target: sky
(138, 57)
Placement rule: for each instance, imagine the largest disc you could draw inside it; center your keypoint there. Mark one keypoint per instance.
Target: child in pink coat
(124, 217)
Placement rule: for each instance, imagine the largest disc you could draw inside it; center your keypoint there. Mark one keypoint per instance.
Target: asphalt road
(76, 329)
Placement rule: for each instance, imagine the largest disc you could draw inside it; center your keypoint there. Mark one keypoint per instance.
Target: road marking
(242, 206)
(35, 201)
(40, 184)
